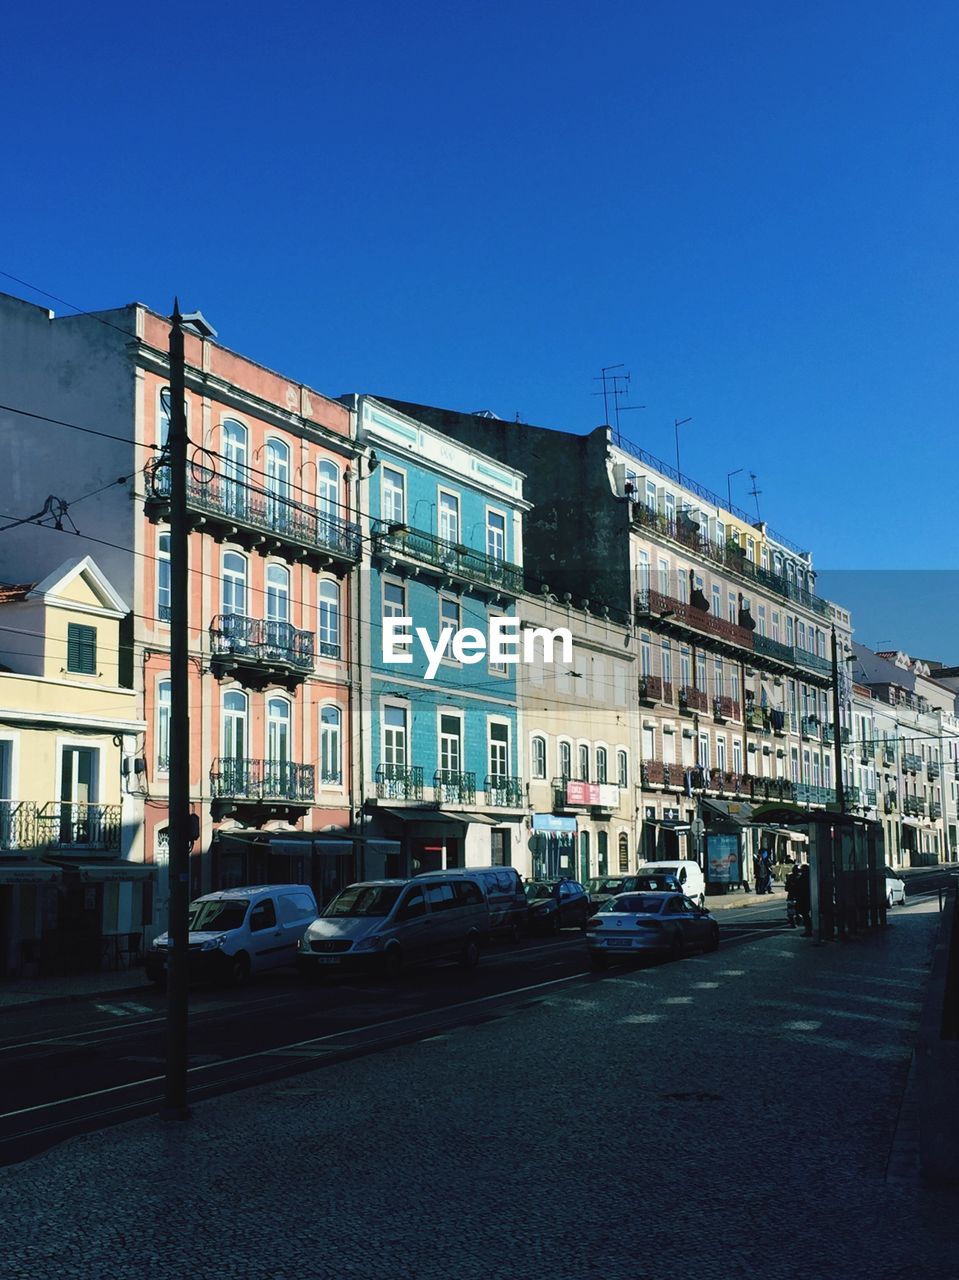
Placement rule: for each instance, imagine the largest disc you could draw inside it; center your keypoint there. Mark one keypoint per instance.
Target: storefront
(554, 846)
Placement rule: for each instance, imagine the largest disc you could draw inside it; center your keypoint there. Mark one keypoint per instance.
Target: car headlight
(212, 944)
(304, 943)
(368, 944)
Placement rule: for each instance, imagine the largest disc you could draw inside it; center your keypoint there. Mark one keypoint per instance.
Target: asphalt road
(72, 1068)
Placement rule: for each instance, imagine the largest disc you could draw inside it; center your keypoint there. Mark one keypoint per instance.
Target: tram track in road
(126, 1059)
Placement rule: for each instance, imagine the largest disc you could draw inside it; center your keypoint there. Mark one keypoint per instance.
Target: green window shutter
(81, 649)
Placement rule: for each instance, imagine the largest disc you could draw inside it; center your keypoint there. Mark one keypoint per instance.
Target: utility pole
(175, 1095)
(838, 873)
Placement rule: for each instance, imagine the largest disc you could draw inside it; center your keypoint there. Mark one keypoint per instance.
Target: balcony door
(235, 765)
(279, 641)
(234, 467)
(278, 507)
(328, 499)
(278, 745)
(79, 791)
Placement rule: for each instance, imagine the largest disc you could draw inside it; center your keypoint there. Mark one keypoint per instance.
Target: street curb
(116, 992)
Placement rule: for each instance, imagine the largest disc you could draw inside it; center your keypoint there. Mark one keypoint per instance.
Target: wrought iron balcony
(932, 770)
(399, 782)
(935, 809)
(72, 827)
(692, 698)
(914, 806)
(812, 662)
(454, 786)
(653, 689)
(262, 780)
(781, 653)
(725, 708)
(254, 515)
(18, 826)
(771, 789)
(667, 609)
(808, 793)
(889, 755)
(256, 642)
(504, 791)
(912, 763)
(890, 801)
(449, 558)
(809, 727)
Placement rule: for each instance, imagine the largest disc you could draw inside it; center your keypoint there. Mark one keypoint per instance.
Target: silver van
(505, 894)
(387, 924)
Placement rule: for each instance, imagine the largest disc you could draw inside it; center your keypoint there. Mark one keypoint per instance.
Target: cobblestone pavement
(727, 1116)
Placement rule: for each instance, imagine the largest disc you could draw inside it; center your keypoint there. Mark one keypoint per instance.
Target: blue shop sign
(549, 822)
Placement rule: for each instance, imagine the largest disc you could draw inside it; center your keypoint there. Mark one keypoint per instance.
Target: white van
(689, 874)
(237, 932)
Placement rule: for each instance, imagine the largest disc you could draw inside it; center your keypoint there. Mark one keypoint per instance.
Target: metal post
(840, 791)
(175, 1096)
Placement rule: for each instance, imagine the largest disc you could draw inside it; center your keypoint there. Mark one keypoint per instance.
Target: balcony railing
(399, 782)
(655, 604)
(450, 557)
(454, 786)
(812, 661)
(889, 755)
(653, 689)
(254, 509)
(18, 825)
(261, 642)
(935, 809)
(725, 708)
(70, 826)
(504, 791)
(809, 793)
(890, 801)
(773, 649)
(693, 698)
(809, 727)
(932, 770)
(912, 763)
(914, 806)
(232, 779)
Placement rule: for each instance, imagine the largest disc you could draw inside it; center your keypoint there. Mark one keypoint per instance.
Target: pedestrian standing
(803, 899)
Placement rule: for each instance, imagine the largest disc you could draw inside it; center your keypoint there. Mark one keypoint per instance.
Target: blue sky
(752, 206)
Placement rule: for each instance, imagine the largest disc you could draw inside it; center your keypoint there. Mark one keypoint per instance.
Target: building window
(498, 750)
(449, 615)
(601, 765)
(449, 519)
(234, 725)
(234, 467)
(538, 757)
(394, 600)
(163, 726)
(566, 760)
(498, 668)
(81, 649)
(721, 754)
(495, 535)
(394, 735)
(277, 593)
(451, 743)
(163, 426)
(584, 763)
(622, 761)
(278, 716)
(717, 602)
(329, 619)
(602, 854)
(163, 578)
(234, 584)
(331, 767)
(623, 851)
(278, 484)
(394, 496)
(328, 490)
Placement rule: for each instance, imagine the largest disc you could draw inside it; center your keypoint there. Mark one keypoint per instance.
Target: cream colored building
(579, 732)
(72, 884)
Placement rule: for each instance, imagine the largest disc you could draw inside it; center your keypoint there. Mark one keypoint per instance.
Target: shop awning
(733, 810)
(440, 816)
(108, 872)
(30, 874)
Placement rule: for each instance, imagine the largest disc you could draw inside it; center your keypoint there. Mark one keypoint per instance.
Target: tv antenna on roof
(755, 493)
(617, 386)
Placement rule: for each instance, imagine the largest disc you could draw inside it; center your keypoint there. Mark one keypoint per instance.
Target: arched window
(538, 754)
(234, 725)
(602, 762)
(233, 464)
(163, 726)
(622, 761)
(234, 584)
(623, 851)
(278, 483)
(163, 417)
(328, 489)
(584, 763)
(331, 767)
(277, 746)
(566, 760)
(329, 618)
(602, 854)
(163, 577)
(277, 593)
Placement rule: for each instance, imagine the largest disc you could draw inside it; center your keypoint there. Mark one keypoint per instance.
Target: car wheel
(713, 943)
(392, 962)
(676, 947)
(239, 969)
(469, 958)
(599, 961)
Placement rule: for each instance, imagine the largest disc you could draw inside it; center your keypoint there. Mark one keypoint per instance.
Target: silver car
(633, 924)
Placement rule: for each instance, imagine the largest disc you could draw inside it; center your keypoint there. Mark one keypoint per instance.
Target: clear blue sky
(751, 205)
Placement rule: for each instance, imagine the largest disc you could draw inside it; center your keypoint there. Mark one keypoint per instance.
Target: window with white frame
(737, 756)
(449, 517)
(497, 668)
(394, 599)
(163, 726)
(329, 618)
(277, 593)
(717, 601)
(538, 756)
(450, 614)
(495, 535)
(721, 754)
(394, 735)
(451, 742)
(278, 716)
(331, 762)
(393, 493)
(583, 762)
(649, 742)
(566, 759)
(233, 584)
(602, 765)
(622, 768)
(163, 577)
(234, 734)
(328, 490)
(278, 507)
(498, 749)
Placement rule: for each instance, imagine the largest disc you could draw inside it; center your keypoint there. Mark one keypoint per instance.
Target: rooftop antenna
(755, 493)
(617, 386)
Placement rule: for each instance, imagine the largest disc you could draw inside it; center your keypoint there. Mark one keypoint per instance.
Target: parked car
(556, 904)
(692, 882)
(504, 893)
(636, 923)
(236, 932)
(602, 888)
(388, 924)
(895, 889)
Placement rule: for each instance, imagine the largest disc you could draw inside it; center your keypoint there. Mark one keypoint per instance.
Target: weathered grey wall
(577, 535)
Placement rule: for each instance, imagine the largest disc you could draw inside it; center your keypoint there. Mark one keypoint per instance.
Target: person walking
(766, 865)
(802, 897)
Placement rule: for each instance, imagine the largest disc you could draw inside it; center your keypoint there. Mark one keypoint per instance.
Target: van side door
(297, 911)
(266, 936)
(413, 924)
(447, 917)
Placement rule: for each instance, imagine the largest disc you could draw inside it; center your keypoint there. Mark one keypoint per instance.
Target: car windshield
(604, 884)
(652, 882)
(634, 904)
(538, 890)
(365, 900)
(216, 916)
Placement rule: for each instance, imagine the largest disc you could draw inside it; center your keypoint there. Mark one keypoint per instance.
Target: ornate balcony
(725, 709)
(652, 689)
(79, 828)
(399, 782)
(683, 617)
(813, 662)
(933, 770)
(912, 763)
(453, 786)
(260, 649)
(447, 559)
(809, 728)
(772, 649)
(914, 806)
(888, 755)
(18, 826)
(693, 699)
(270, 782)
(808, 794)
(935, 809)
(255, 516)
(504, 792)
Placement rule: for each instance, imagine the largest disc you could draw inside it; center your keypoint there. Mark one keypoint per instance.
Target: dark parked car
(603, 888)
(557, 904)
